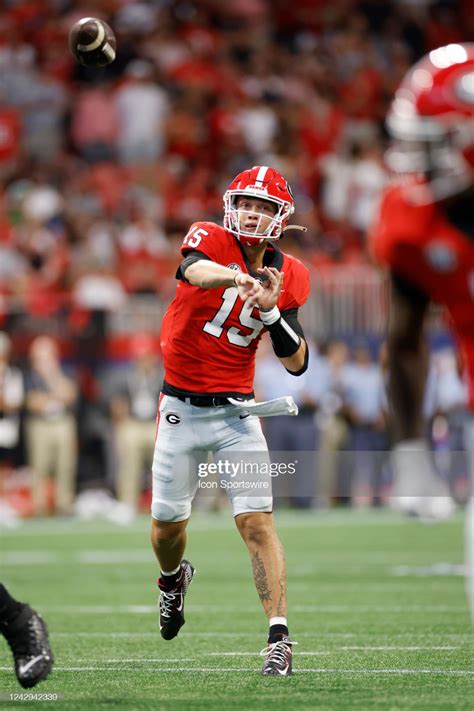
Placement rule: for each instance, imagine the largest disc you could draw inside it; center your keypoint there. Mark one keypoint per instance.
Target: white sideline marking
(214, 670)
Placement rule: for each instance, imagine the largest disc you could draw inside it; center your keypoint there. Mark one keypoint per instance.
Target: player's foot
(426, 508)
(418, 490)
(172, 602)
(278, 657)
(27, 636)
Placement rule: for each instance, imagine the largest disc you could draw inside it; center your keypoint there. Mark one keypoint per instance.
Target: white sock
(278, 621)
(173, 572)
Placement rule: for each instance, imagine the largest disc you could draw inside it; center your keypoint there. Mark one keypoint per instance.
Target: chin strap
(295, 227)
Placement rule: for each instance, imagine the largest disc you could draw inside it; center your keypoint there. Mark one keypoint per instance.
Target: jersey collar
(273, 257)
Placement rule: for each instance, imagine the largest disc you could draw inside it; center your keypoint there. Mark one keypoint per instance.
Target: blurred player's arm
(408, 358)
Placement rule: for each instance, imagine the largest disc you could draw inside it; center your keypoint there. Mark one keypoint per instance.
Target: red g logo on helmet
(266, 184)
(432, 121)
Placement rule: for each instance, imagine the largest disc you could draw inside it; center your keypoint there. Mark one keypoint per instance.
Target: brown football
(92, 42)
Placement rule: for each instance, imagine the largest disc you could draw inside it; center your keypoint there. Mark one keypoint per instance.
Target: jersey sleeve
(296, 285)
(203, 237)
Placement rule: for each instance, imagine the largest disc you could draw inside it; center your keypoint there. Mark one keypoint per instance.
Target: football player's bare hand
(248, 287)
(271, 287)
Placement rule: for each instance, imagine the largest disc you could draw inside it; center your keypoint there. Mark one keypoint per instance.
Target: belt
(199, 401)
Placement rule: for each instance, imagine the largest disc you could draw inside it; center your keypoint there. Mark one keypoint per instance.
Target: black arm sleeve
(283, 344)
(190, 257)
(291, 317)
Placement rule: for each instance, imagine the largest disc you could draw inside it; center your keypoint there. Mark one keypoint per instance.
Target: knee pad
(251, 504)
(170, 511)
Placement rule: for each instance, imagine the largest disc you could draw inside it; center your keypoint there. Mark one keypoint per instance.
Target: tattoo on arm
(260, 577)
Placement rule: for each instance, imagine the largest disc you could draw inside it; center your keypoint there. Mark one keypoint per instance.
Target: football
(92, 42)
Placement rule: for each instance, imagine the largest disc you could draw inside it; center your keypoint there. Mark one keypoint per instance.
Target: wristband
(270, 316)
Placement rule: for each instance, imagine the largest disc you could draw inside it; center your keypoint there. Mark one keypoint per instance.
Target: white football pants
(185, 436)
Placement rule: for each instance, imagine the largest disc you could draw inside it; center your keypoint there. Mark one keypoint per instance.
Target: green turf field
(376, 603)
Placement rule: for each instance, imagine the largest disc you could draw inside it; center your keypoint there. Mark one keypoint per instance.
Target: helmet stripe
(261, 175)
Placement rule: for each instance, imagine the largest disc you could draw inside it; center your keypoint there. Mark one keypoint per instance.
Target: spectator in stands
(363, 393)
(50, 427)
(95, 123)
(451, 419)
(133, 407)
(298, 435)
(334, 428)
(11, 401)
(142, 107)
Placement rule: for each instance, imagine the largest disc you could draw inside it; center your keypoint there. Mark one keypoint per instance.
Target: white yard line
(334, 650)
(214, 670)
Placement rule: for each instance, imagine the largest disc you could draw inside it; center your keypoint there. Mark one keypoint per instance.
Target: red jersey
(418, 243)
(210, 336)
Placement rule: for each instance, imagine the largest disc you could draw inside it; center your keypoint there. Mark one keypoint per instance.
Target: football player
(425, 236)
(27, 635)
(234, 284)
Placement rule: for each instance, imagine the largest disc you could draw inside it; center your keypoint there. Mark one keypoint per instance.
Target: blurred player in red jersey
(425, 235)
(234, 283)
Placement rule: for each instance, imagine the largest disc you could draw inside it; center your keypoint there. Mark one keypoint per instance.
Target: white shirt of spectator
(12, 389)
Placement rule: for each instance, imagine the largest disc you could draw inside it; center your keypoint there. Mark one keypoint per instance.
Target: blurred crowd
(103, 170)
(54, 456)
(342, 435)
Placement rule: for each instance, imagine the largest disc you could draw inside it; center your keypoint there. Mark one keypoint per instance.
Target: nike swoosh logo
(23, 669)
(284, 671)
(242, 417)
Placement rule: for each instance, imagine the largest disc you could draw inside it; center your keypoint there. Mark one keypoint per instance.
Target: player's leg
(175, 479)
(245, 445)
(268, 560)
(27, 635)
(168, 539)
(269, 571)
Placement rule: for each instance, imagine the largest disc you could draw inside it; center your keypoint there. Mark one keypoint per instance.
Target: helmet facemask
(431, 123)
(273, 230)
(432, 164)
